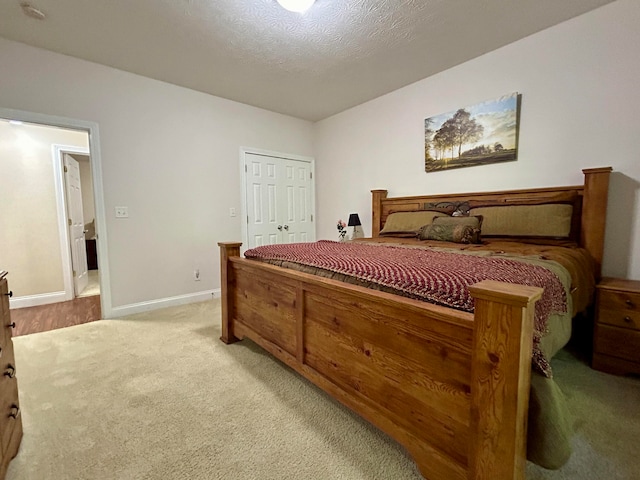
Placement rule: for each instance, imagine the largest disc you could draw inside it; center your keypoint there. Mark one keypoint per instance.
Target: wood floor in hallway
(55, 315)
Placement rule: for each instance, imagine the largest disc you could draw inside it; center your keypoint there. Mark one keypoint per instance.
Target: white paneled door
(76, 223)
(279, 200)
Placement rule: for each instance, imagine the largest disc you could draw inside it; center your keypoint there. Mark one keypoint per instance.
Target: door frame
(98, 191)
(61, 204)
(243, 177)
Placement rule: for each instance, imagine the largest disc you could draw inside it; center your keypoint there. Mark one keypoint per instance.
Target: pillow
(408, 223)
(550, 220)
(459, 233)
(453, 227)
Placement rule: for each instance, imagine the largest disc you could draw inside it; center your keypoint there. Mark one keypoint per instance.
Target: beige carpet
(93, 284)
(158, 396)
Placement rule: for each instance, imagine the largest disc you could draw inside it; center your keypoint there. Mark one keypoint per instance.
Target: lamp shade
(354, 220)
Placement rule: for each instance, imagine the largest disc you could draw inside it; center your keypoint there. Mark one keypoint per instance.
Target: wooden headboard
(589, 206)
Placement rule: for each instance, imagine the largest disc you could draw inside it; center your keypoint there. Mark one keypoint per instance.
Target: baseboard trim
(133, 308)
(35, 300)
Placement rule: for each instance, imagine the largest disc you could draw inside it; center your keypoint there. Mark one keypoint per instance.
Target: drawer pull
(10, 294)
(629, 303)
(14, 411)
(11, 371)
(627, 319)
(12, 325)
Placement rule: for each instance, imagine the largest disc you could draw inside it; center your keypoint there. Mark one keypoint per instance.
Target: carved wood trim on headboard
(589, 202)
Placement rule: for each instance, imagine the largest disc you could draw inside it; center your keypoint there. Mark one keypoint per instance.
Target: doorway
(60, 210)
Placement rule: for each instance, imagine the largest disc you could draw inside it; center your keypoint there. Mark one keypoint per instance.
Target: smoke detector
(31, 11)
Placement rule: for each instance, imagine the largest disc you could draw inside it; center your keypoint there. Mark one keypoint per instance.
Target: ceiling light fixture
(299, 6)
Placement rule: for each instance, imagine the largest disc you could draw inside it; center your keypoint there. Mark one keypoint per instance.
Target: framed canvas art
(477, 135)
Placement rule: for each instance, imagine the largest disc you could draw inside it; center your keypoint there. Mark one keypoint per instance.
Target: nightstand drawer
(620, 318)
(617, 300)
(617, 342)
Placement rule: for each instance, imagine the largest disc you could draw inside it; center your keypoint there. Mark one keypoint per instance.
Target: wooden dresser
(616, 338)
(10, 415)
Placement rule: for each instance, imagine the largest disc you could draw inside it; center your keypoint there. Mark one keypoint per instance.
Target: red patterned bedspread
(435, 276)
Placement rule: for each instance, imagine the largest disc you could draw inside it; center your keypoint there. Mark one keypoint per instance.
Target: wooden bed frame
(451, 387)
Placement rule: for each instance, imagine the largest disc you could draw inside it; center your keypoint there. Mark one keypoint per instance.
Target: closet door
(278, 199)
(296, 202)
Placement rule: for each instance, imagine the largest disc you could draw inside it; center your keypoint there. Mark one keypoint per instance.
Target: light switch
(122, 212)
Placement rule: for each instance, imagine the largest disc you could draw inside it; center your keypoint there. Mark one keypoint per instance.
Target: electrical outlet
(196, 274)
(122, 212)
(232, 212)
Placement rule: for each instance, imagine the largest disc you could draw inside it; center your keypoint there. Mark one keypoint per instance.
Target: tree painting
(478, 135)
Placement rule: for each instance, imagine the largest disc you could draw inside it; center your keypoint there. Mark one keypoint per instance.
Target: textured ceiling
(340, 53)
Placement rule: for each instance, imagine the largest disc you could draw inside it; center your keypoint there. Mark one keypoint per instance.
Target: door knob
(286, 227)
(280, 227)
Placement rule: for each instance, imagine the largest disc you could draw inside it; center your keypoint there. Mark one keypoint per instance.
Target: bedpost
(500, 379)
(227, 285)
(376, 211)
(594, 213)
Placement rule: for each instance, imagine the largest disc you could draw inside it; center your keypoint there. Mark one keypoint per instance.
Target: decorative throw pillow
(449, 233)
(475, 222)
(407, 223)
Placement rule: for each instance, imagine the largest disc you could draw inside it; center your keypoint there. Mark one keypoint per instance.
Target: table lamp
(354, 221)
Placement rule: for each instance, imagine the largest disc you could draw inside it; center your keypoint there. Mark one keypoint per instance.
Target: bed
(452, 386)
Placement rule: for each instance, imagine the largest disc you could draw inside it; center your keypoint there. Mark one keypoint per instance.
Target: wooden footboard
(452, 387)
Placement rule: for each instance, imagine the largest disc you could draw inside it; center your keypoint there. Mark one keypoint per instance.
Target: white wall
(168, 153)
(580, 107)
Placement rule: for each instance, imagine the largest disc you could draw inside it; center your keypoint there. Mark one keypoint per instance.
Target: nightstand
(616, 337)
